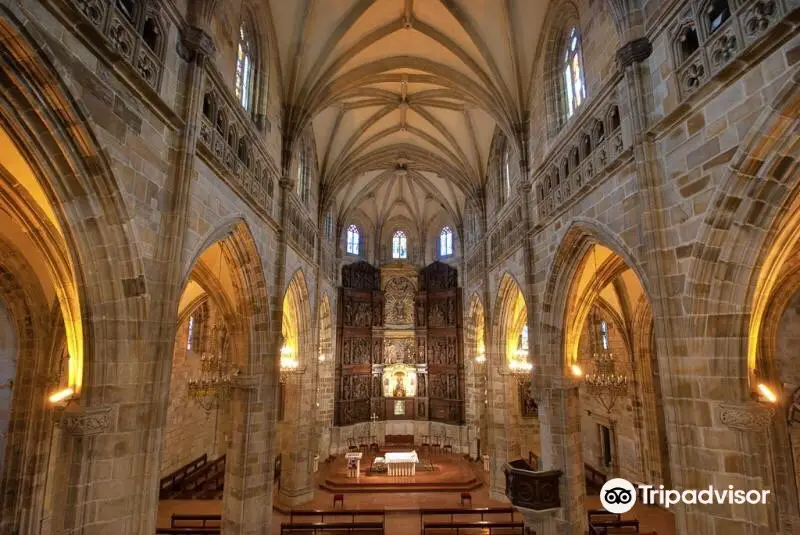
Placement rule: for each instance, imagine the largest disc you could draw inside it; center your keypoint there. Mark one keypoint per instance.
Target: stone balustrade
(230, 144)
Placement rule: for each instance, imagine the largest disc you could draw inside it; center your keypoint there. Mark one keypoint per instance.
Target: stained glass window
(399, 245)
(244, 69)
(524, 338)
(573, 73)
(352, 240)
(328, 226)
(191, 333)
(446, 242)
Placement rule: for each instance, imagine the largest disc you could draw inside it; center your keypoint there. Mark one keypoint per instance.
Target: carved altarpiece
(399, 345)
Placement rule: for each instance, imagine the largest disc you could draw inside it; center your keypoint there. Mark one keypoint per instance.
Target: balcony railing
(230, 144)
(585, 158)
(528, 489)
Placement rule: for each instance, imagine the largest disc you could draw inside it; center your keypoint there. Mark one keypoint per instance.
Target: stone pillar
(560, 423)
(248, 470)
(542, 522)
(297, 475)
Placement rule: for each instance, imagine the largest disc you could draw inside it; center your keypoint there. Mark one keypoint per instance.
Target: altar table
(401, 463)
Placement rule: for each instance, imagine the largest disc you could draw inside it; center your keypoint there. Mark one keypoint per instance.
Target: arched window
(573, 73)
(353, 239)
(399, 245)
(329, 226)
(604, 334)
(191, 334)
(302, 178)
(446, 242)
(523, 339)
(506, 172)
(245, 69)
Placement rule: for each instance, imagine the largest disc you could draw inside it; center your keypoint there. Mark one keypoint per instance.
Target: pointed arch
(296, 322)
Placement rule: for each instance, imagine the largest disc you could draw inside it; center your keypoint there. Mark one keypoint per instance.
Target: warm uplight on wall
(767, 393)
(576, 370)
(61, 395)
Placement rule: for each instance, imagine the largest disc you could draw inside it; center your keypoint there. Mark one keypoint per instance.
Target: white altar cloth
(402, 463)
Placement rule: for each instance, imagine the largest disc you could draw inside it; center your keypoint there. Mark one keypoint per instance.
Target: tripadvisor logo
(619, 496)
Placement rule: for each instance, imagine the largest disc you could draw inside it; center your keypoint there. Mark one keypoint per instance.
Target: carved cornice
(195, 42)
(87, 421)
(635, 51)
(749, 416)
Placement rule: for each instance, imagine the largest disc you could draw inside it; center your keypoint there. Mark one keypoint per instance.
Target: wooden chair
(426, 443)
(436, 444)
(351, 444)
(448, 445)
(338, 498)
(466, 496)
(363, 443)
(373, 444)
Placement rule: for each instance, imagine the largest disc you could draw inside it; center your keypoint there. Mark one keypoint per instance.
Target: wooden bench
(342, 528)
(195, 521)
(456, 527)
(601, 515)
(378, 513)
(195, 481)
(483, 512)
(614, 527)
(188, 531)
(169, 482)
(595, 479)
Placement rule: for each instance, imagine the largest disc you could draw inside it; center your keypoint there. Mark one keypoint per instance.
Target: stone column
(297, 476)
(559, 412)
(248, 471)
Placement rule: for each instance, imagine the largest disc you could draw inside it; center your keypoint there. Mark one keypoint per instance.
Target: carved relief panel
(399, 301)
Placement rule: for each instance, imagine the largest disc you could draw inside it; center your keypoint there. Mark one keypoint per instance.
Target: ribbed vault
(404, 96)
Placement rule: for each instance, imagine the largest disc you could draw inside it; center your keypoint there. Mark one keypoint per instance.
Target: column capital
(634, 51)
(82, 422)
(194, 42)
(745, 416)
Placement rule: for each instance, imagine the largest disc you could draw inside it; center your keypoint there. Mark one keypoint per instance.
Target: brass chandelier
(605, 384)
(213, 387)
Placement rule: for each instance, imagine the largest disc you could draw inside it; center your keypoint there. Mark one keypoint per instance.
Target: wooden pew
(194, 482)
(169, 482)
(462, 511)
(614, 527)
(188, 531)
(195, 521)
(353, 514)
(431, 528)
(340, 528)
(601, 515)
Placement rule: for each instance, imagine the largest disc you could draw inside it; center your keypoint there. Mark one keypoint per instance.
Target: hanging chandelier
(605, 384)
(519, 367)
(289, 365)
(213, 387)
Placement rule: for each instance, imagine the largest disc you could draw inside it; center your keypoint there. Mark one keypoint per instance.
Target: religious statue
(399, 387)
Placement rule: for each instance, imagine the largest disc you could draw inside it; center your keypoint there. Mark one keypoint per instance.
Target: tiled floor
(401, 509)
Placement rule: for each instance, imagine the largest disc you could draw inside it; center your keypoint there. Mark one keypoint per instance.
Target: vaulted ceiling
(404, 96)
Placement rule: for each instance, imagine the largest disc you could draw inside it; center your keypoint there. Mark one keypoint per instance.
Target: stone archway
(227, 271)
(510, 317)
(590, 305)
(325, 379)
(475, 362)
(295, 432)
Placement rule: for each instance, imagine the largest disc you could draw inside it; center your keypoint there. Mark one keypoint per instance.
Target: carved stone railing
(528, 489)
(301, 230)
(137, 37)
(704, 40)
(507, 234)
(585, 158)
(230, 144)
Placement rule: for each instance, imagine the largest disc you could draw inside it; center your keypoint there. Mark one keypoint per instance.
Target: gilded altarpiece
(399, 355)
